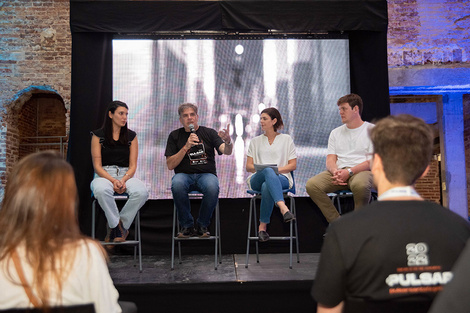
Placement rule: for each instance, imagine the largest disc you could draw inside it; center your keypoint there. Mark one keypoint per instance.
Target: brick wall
(429, 187)
(35, 57)
(428, 32)
(431, 34)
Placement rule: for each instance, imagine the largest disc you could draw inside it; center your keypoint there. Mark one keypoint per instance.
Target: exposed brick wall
(428, 32)
(429, 187)
(35, 56)
(43, 115)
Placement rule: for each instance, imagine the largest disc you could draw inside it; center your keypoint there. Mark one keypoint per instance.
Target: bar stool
(137, 242)
(346, 193)
(337, 196)
(176, 228)
(287, 193)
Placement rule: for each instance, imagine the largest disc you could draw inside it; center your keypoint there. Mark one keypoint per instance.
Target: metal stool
(216, 237)
(137, 243)
(287, 193)
(346, 193)
(337, 196)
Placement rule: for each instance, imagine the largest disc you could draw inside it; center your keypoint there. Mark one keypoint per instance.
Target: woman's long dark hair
(108, 125)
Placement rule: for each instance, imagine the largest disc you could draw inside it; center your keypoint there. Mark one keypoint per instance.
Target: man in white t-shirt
(346, 163)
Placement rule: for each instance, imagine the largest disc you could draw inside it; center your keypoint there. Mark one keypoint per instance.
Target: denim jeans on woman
(271, 185)
(103, 191)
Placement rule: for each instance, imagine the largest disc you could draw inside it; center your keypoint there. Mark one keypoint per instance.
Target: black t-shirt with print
(389, 250)
(201, 157)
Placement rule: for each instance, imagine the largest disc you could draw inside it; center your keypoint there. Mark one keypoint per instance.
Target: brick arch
(22, 116)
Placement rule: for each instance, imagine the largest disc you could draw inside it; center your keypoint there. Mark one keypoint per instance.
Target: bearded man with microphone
(190, 152)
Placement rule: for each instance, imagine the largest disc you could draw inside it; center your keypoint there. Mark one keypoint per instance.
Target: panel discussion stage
(269, 286)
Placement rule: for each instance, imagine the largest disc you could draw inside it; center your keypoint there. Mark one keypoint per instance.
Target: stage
(268, 286)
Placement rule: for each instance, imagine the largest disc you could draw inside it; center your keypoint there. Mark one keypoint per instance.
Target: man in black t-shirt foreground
(399, 250)
(190, 152)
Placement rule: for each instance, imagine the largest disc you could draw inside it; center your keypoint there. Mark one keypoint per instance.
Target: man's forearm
(364, 166)
(331, 163)
(228, 148)
(174, 160)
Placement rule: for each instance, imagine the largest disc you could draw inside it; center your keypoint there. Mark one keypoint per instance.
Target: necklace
(405, 191)
(270, 141)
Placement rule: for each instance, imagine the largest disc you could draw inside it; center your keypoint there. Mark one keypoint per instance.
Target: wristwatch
(351, 173)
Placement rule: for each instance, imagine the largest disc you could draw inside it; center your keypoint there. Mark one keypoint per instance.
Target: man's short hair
(185, 106)
(405, 145)
(353, 100)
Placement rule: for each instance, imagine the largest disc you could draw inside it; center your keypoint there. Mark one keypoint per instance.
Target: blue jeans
(270, 184)
(205, 183)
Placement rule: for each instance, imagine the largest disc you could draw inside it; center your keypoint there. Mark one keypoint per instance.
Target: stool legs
(217, 242)
(137, 243)
(292, 228)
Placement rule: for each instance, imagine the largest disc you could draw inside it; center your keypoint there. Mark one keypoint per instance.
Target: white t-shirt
(88, 282)
(280, 152)
(350, 145)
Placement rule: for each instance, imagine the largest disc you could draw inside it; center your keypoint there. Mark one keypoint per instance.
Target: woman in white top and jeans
(271, 148)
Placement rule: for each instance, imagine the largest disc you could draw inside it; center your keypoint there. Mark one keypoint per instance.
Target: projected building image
(231, 81)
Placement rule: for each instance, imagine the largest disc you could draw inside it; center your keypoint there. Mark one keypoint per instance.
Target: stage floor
(267, 286)
(200, 269)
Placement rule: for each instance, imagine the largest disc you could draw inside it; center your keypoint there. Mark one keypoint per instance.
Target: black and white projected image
(231, 81)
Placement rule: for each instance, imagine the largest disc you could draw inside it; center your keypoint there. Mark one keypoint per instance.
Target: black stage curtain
(94, 23)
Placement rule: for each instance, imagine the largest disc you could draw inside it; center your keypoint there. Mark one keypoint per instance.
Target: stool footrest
(196, 238)
(274, 238)
(128, 242)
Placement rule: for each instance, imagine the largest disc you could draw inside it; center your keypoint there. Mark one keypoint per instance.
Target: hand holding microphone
(193, 138)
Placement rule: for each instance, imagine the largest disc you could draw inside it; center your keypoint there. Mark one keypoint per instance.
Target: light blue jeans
(205, 183)
(271, 185)
(103, 191)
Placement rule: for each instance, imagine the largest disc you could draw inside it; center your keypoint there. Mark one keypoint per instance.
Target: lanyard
(406, 191)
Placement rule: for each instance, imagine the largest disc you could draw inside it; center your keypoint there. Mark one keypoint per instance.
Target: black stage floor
(268, 286)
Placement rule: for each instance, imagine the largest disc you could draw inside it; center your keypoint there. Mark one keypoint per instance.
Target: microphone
(191, 128)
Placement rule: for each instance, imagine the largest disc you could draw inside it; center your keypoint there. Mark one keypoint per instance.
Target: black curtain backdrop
(95, 23)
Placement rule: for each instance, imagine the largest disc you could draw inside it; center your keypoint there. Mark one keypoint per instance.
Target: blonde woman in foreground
(44, 259)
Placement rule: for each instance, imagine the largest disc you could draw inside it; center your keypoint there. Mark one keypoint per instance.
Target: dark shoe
(288, 216)
(263, 236)
(203, 231)
(186, 232)
(120, 233)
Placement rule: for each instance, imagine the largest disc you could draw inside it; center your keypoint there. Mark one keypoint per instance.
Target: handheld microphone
(191, 128)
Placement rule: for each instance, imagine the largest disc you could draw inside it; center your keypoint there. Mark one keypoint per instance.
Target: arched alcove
(35, 121)
(41, 124)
